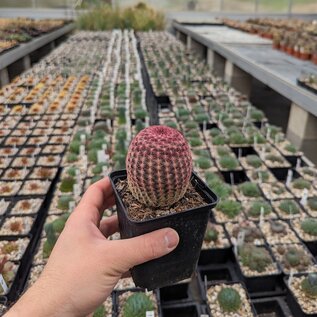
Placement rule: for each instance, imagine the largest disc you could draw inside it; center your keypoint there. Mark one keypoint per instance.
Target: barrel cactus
(159, 166)
(229, 299)
(137, 305)
(309, 226)
(309, 285)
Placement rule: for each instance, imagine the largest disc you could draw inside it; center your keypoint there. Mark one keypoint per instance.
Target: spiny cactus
(309, 226)
(159, 166)
(230, 208)
(63, 202)
(278, 227)
(51, 239)
(309, 285)
(100, 311)
(295, 257)
(211, 233)
(312, 203)
(301, 183)
(289, 207)
(249, 189)
(67, 184)
(137, 305)
(256, 207)
(255, 258)
(229, 299)
(254, 161)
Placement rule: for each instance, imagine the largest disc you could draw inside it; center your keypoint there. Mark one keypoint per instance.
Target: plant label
(255, 140)
(232, 179)
(289, 177)
(204, 315)
(260, 177)
(268, 133)
(303, 200)
(83, 138)
(3, 284)
(82, 150)
(101, 156)
(291, 277)
(298, 163)
(150, 313)
(241, 237)
(71, 206)
(261, 217)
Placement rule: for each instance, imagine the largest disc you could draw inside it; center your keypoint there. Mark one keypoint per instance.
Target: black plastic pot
(281, 173)
(214, 256)
(312, 247)
(292, 302)
(180, 292)
(182, 310)
(179, 264)
(237, 177)
(261, 283)
(273, 306)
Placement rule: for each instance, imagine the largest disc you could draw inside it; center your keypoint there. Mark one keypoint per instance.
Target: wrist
(38, 302)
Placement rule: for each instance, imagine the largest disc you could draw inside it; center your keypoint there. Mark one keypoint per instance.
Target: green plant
(255, 258)
(137, 305)
(220, 140)
(301, 183)
(194, 142)
(93, 156)
(50, 241)
(192, 134)
(264, 175)
(100, 312)
(309, 285)
(140, 114)
(202, 153)
(71, 171)
(254, 161)
(98, 168)
(74, 146)
(201, 117)
(256, 207)
(228, 162)
(257, 115)
(204, 163)
(249, 189)
(229, 299)
(223, 150)
(214, 132)
(289, 207)
(291, 148)
(71, 157)
(309, 171)
(67, 184)
(293, 257)
(171, 124)
(278, 227)
(63, 202)
(312, 203)
(274, 158)
(190, 125)
(211, 234)
(309, 226)
(230, 208)
(157, 144)
(237, 138)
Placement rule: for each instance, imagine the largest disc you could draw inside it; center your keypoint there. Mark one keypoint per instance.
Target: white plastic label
(82, 150)
(303, 200)
(3, 284)
(289, 177)
(261, 217)
(101, 156)
(71, 206)
(150, 314)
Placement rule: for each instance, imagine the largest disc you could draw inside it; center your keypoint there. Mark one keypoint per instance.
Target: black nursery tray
(183, 310)
(303, 84)
(271, 306)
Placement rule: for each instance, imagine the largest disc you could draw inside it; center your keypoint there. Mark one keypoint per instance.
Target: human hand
(84, 265)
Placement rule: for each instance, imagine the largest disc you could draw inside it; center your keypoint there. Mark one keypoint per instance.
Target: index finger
(96, 199)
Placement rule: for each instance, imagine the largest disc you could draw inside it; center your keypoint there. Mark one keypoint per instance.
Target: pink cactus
(159, 166)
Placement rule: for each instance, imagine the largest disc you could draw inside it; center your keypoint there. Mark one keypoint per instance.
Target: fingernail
(171, 239)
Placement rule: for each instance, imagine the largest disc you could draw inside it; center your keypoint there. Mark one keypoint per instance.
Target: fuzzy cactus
(229, 299)
(137, 305)
(309, 285)
(159, 166)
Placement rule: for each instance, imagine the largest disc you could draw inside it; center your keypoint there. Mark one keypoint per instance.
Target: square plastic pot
(189, 224)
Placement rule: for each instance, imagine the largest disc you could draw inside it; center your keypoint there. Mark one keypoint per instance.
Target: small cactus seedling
(229, 299)
(230, 208)
(137, 305)
(51, 239)
(100, 311)
(63, 202)
(301, 183)
(309, 226)
(67, 184)
(289, 207)
(211, 234)
(159, 166)
(254, 161)
(309, 285)
(312, 203)
(255, 258)
(249, 189)
(256, 207)
(278, 227)
(295, 257)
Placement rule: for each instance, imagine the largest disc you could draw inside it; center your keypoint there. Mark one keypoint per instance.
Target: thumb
(134, 251)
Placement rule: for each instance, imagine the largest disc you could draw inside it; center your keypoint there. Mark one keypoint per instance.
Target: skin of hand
(84, 265)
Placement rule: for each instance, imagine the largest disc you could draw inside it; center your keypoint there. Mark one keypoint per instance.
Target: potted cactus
(302, 294)
(228, 299)
(216, 247)
(153, 193)
(294, 257)
(257, 267)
